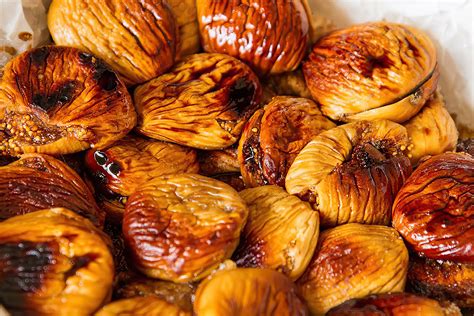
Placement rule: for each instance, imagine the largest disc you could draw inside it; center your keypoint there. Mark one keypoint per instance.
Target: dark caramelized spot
(416, 52)
(85, 58)
(106, 79)
(79, 263)
(100, 157)
(39, 56)
(374, 63)
(60, 96)
(466, 145)
(241, 95)
(366, 155)
(114, 169)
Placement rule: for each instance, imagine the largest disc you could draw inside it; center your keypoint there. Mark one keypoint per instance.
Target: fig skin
(248, 291)
(370, 71)
(281, 232)
(289, 84)
(352, 173)
(37, 181)
(146, 306)
(352, 261)
(203, 102)
(185, 14)
(215, 162)
(273, 137)
(141, 46)
(432, 131)
(233, 179)
(270, 36)
(54, 262)
(434, 210)
(59, 100)
(181, 227)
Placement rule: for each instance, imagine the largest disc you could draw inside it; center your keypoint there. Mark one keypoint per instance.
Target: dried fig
(214, 162)
(181, 227)
(54, 262)
(275, 135)
(140, 37)
(281, 231)
(248, 292)
(353, 172)
(352, 261)
(233, 179)
(271, 36)
(186, 19)
(59, 100)
(289, 83)
(141, 306)
(202, 102)
(372, 71)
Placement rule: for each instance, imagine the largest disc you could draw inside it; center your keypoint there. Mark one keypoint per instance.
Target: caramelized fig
(271, 36)
(434, 210)
(186, 19)
(353, 172)
(372, 71)
(214, 162)
(202, 102)
(141, 306)
(248, 292)
(352, 261)
(54, 262)
(281, 231)
(275, 135)
(59, 100)
(181, 227)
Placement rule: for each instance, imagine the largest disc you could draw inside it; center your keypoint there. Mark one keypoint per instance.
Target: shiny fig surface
(281, 231)
(186, 19)
(273, 137)
(59, 100)
(271, 36)
(181, 227)
(353, 172)
(377, 70)
(141, 41)
(54, 262)
(434, 210)
(352, 261)
(215, 162)
(248, 291)
(145, 306)
(202, 102)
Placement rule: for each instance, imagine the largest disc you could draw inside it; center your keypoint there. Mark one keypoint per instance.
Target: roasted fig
(248, 292)
(352, 261)
(432, 131)
(181, 227)
(372, 71)
(141, 306)
(59, 100)
(54, 262)
(214, 162)
(353, 172)
(271, 36)
(202, 102)
(275, 135)
(434, 210)
(186, 19)
(140, 38)
(281, 231)
(36, 182)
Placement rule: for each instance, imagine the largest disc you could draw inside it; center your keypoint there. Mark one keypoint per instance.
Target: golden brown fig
(289, 83)
(59, 100)
(181, 227)
(372, 71)
(214, 162)
(275, 135)
(432, 131)
(434, 210)
(137, 39)
(54, 262)
(352, 261)
(202, 102)
(353, 172)
(271, 35)
(186, 19)
(141, 306)
(281, 232)
(262, 292)
(36, 182)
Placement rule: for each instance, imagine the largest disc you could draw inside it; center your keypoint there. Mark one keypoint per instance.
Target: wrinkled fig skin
(203, 102)
(281, 232)
(352, 261)
(432, 131)
(215, 162)
(37, 181)
(181, 227)
(141, 306)
(140, 41)
(275, 135)
(434, 211)
(59, 100)
(352, 173)
(186, 19)
(442, 280)
(365, 71)
(249, 291)
(271, 36)
(395, 304)
(54, 262)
